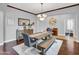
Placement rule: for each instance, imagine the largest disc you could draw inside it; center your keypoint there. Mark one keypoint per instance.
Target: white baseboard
(77, 41)
(62, 34)
(7, 41)
(1, 44)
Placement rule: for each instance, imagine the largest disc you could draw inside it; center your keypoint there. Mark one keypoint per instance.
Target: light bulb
(44, 15)
(42, 18)
(39, 15)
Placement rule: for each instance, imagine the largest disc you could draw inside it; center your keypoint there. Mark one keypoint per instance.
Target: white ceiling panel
(36, 7)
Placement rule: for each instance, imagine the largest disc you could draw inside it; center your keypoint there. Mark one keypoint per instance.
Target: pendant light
(41, 16)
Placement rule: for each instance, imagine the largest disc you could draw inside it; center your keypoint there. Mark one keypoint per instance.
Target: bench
(45, 45)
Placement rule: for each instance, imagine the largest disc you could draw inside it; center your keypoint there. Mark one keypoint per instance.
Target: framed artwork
(22, 22)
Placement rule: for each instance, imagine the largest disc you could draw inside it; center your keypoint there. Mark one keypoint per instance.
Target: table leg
(43, 53)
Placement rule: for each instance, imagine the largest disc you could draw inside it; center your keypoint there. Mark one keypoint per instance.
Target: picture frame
(21, 22)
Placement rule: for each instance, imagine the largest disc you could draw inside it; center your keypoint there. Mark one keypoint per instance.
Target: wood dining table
(39, 35)
(45, 44)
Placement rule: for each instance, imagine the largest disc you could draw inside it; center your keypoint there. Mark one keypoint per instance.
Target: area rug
(24, 50)
(54, 49)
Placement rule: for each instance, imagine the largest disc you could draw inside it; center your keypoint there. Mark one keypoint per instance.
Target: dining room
(39, 28)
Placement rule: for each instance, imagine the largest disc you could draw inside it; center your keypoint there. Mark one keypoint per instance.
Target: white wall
(1, 26)
(77, 26)
(61, 16)
(11, 22)
(2, 30)
(60, 22)
(12, 16)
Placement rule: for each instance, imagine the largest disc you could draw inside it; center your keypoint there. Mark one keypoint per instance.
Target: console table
(55, 31)
(19, 35)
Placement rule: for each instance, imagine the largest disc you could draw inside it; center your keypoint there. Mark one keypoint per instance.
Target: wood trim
(20, 9)
(60, 8)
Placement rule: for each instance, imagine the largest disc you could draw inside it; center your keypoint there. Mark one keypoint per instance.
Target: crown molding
(60, 8)
(45, 11)
(20, 9)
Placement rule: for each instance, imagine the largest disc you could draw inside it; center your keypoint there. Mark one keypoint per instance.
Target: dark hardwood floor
(7, 48)
(69, 47)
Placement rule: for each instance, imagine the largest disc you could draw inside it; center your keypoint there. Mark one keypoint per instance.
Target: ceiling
(36, 7)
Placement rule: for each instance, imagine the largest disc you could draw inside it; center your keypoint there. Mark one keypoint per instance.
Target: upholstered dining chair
(28, 41)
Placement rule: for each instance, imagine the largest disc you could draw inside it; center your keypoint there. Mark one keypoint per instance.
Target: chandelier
(41, 16)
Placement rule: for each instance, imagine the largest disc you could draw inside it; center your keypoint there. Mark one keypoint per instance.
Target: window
(70, 24)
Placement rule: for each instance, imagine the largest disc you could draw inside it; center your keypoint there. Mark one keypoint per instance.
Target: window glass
(70, 24)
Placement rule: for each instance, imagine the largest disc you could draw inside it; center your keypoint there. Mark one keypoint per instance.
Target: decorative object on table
(24, 26)
(42, 16)
(52, 21)
(23, 22)
(49, 29)
(30, 25)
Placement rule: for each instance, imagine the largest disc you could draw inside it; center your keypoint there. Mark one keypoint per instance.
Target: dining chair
(28, 41)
